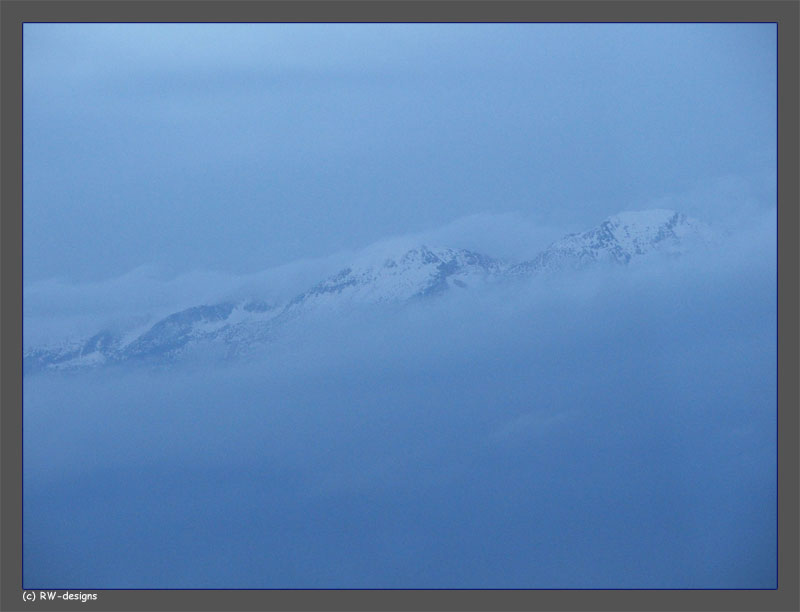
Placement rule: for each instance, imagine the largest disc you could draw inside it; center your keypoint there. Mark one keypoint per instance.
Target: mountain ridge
(417, 273)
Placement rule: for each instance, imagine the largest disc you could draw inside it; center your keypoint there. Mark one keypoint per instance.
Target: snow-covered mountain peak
(638, 231)
(386, 277)
(619, 239)
(393, 272)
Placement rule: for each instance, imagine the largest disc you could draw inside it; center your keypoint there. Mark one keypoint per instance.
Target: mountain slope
(618, 240)
(373, 279)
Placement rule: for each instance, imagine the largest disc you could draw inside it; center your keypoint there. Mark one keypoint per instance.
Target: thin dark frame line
(587, 23)
(777, 312)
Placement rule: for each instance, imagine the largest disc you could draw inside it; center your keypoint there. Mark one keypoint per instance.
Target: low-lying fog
(613, 430)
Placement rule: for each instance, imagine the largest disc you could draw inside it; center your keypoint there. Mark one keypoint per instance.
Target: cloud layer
(316, 138)
(616, 430)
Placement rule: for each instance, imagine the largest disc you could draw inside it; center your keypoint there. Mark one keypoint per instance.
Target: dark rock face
(175, 331)
(449, 267)
(335, 284)
(258, 306)
(40, 359)
(104, 342)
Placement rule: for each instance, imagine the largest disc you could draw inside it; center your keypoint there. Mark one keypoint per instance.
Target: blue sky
(239, 147)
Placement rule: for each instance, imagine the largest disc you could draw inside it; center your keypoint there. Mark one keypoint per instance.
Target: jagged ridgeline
(416, 274)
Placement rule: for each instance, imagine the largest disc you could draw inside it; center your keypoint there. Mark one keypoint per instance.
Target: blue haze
(612, 429)
(318, 138)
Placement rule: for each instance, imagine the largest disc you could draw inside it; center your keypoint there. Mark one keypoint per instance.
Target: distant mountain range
(416, 274)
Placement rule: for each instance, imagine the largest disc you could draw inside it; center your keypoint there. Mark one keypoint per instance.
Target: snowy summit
(376, 277)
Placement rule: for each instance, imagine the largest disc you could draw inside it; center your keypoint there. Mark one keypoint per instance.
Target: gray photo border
(783, 12)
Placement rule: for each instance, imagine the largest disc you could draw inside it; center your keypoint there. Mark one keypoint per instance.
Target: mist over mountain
(601, 415)
(370, 305)
(384, 274)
